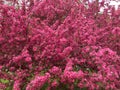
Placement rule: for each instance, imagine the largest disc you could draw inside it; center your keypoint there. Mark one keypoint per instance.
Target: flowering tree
(59, 45)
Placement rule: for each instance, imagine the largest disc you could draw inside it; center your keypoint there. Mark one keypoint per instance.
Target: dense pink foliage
(59, 45)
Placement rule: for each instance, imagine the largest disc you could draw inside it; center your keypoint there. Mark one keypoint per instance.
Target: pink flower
(16, 85)
(49, 44)
(54, 84)
(38, 82)
(28, 59)
(55, 70)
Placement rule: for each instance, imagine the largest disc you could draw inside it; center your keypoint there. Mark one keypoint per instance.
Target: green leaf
(4, 81)
(9, 88)
(44, 86)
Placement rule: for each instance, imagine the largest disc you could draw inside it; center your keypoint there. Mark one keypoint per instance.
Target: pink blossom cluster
(59, 45)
